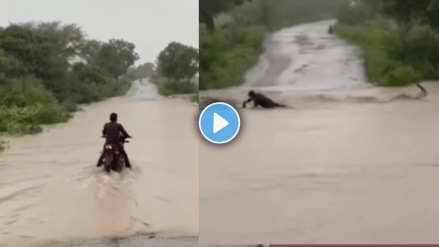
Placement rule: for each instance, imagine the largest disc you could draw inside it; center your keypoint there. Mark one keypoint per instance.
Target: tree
(89, 51)
(433, 14)
(69, 38)
(142, 71)
(406, 10)
(209, 8)
(39, 54)
(178, 62)
(116, 57)
(10, 67)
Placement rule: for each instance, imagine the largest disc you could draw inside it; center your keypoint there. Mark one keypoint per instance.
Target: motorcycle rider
(112, 131)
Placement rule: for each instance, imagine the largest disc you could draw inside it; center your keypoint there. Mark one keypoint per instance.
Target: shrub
(402, 76)
(227, 54)
(418, 46)
(24, 92)
(167, 87)
(3, 145)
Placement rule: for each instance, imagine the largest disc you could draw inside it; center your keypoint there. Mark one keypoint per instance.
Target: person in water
(112, 131)
(260, 100)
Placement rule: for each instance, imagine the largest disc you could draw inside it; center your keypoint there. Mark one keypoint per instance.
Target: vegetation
(47, 69)
(400, 39)
(3, 145)
(227, 54)
(232, 33)
(210, 8)
(177, 70)
(145, 70)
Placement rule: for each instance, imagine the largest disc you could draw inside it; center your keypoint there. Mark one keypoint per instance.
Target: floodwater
(52, 193)
(344, 164)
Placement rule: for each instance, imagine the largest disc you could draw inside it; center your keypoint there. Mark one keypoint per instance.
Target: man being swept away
(261, 100)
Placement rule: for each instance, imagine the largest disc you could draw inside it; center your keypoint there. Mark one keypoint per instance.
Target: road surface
(341, 167)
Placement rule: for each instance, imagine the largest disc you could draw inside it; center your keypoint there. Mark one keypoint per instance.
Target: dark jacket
(112, 132)
(261, 100)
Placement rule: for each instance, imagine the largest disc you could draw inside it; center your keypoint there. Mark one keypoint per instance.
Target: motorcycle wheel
(114, 165)
(118, 166)
(122, 164)
(107, 162)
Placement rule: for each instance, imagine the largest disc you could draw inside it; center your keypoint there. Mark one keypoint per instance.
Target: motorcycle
(113, 160)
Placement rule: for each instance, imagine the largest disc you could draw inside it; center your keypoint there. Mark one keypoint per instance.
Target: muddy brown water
(344, 165)
(51, 191)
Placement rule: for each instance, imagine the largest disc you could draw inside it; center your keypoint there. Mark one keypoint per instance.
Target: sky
(150, 24)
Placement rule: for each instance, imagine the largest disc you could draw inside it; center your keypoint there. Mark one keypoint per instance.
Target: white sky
(150, 24)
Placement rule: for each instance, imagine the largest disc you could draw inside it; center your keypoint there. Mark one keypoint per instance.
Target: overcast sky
(149, 24)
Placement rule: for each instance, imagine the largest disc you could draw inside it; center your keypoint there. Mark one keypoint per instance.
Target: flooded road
(52, 192)
(307, 58)
(345, 165)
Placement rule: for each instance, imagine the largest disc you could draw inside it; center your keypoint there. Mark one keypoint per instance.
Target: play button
(219, 123)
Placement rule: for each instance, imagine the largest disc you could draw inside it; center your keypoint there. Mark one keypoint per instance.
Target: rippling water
(336, 168)
(51, 189)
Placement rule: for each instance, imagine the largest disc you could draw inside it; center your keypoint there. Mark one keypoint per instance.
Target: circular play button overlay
(219, 123)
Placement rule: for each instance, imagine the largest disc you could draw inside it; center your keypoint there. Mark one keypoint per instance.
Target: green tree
(406, 10)
(433, 14)
(47, 68)
(89, 51)
(178, 62)
(39, 54)
(210, 8)
(10, 67)
(116, 57)
(69, 38)
(142, 71)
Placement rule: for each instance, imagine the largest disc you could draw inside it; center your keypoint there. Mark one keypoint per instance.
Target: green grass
(167, 87)
(228, 53)
(395, 55)
(371, 39)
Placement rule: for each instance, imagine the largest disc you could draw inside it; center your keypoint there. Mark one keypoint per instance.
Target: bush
(402, 76)
(3, 145)
(25, 92)
(167, 87)
(25, 105)
(227, 54)
(418, 46)
(396, 55)
(370, 38)
(196, 98)
(27, 120)
(121, 88)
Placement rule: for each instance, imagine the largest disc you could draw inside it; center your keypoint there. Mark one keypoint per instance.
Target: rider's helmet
(251, 93)
(113, 117)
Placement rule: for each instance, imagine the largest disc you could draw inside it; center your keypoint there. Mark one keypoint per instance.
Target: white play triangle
(219, 123)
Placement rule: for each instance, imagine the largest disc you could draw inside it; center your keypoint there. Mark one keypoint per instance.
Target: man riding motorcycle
(112, 132)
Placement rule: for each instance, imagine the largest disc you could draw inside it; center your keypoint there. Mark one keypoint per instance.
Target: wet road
(52, 192)
(307, 58)
(340, 167)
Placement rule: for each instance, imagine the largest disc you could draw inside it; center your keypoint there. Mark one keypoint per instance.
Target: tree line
(177, 69)
(62, 60)
(48, 68)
